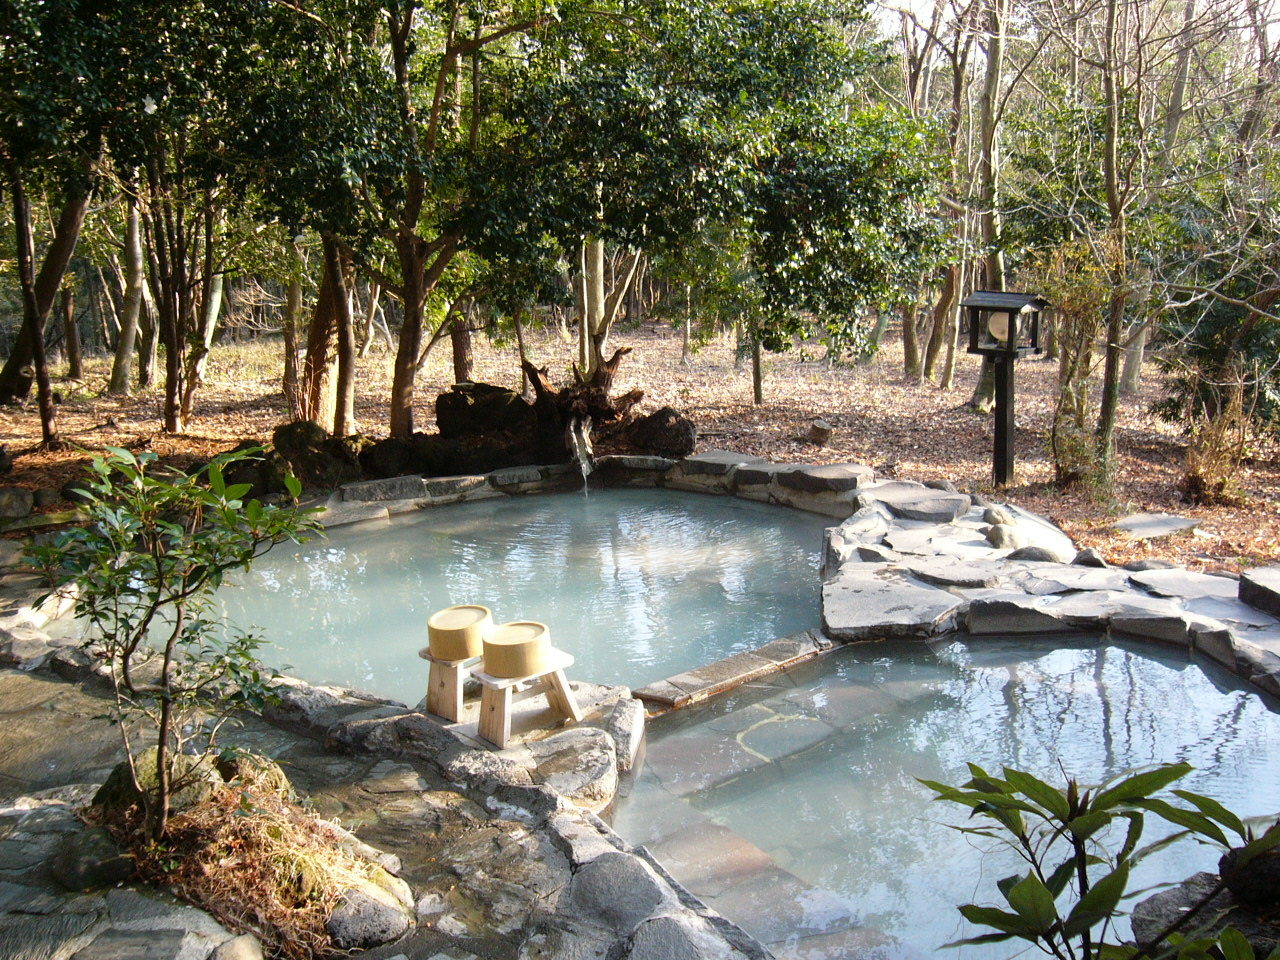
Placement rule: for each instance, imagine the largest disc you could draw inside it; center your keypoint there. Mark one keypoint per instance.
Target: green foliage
(155, 549)
(1068, 900)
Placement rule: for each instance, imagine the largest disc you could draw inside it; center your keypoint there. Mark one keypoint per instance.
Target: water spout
(578, 440)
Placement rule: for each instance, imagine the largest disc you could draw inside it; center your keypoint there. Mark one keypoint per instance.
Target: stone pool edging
(930, 560)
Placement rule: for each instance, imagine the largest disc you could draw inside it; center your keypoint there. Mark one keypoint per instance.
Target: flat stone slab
(633, 462)
(760, 474)
(722, 675)
(394, 488)
(1153, 526)
(1261, 588)
(912, 501)
(1012, 614)
(715, 463)
(833, 477)
(860, 603)
(1047, 578)
(948, 572)
(1186, 584)
(514, 476)
(342, 512)
(1230, 611)
(455, 486)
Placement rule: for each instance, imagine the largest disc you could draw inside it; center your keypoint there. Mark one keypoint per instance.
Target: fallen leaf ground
(902, 428)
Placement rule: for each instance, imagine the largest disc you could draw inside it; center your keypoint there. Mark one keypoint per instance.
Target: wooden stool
(497, 694)
(444, 684)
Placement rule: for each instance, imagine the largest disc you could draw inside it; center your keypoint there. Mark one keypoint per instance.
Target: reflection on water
(636, 584)
(820, 776)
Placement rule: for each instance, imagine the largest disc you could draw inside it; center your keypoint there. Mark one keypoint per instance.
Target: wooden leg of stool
(444, 691)
(560, 695)
(495, 716)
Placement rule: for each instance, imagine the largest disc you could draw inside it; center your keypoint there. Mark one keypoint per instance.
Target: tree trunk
(149, 340)
(600, 307)
(1104, 438)
(518, 319)
(344, 423)
(910, 341)
(1134, 354)
(33, 318)
(989, 164)
(289, 383)
(942, 312)
(419, 280)
(319, 369)
(18, 373)
(370, 318)
(460, 341)
(71, 333)
(757, 371)
(952, 322)
(133, 281)
(198, 358)
(686, 354)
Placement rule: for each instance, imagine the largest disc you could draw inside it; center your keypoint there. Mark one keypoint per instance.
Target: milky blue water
(818, 771)
(637, 584)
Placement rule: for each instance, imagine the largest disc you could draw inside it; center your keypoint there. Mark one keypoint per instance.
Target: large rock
(913, 501)
(368, 915)
(666, 433)
(119, 792)
(316, 458)
(580, 764)
(681, 937)
(1261, 588)
(615, 890)
(89, 860)
(863, 603)
(15, 502)
(1157, 912)
(832, 477)
(476, 409)
(432, 455)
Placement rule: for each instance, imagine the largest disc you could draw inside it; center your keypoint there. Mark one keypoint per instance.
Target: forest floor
(901, 428)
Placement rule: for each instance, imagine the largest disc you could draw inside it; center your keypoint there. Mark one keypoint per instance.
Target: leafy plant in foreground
(147, 563)
(1067, 901)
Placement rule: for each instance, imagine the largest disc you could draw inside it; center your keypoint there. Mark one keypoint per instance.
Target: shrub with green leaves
(1069, 898)
(154, 550)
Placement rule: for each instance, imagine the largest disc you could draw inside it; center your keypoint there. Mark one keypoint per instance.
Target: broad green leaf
(1196, 822)
(1051, 798)
(1086, 825)
(1098, 904)
(985, 938)
(1233, 945)
(1141, 785)
(1136, 823)
(1034, 903)
(1001, 920)
(1214, 811)
(1060, 877)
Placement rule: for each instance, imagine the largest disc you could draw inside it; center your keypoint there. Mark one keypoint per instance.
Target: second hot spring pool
(792, 805)
(637, 584)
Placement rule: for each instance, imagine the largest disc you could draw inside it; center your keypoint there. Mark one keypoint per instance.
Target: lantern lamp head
(1003, 325)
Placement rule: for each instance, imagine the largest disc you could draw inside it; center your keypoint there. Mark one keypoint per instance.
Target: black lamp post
(1003, 327)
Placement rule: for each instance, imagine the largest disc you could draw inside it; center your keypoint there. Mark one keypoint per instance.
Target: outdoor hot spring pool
(638, 585)
(792, 807)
